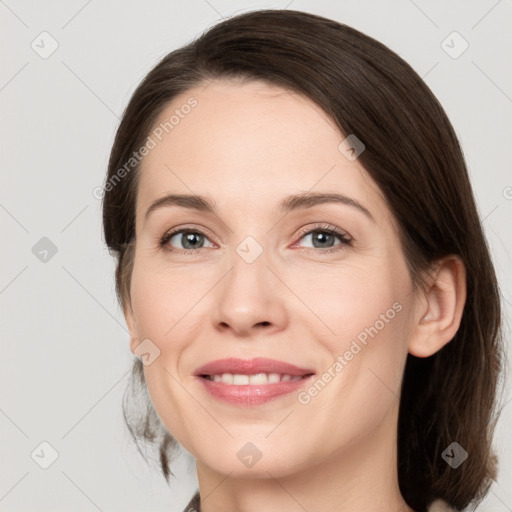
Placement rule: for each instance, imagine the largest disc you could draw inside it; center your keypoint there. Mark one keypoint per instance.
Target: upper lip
(250, 367)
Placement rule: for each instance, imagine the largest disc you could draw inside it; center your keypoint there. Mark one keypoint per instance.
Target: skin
(246, 147)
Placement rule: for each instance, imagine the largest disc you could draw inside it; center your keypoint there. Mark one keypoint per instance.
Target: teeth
(227, 378)
(274, 377)
(258, 378)
(238, 380)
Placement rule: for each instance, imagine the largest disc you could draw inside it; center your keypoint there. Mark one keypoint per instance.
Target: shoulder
(440, 506)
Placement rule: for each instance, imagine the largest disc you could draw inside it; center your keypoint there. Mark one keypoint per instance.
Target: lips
(241, 379)
(251, 382)
(251, 367)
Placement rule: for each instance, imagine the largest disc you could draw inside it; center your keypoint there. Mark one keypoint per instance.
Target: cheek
(162, 300)
(348, 301)
(364, 320)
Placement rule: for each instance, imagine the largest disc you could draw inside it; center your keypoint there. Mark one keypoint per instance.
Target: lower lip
(255, 394)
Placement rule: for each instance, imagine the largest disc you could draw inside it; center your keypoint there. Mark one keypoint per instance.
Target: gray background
(65, 356)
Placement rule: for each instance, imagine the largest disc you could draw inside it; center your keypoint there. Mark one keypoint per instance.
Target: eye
(323, 238)
(184, 240)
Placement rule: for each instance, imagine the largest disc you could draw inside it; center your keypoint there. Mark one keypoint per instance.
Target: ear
(438, 311)
(132, 326)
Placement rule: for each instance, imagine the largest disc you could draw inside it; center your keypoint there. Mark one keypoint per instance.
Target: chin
(245, 460)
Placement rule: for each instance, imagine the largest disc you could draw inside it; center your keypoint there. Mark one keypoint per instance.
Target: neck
(359, 478)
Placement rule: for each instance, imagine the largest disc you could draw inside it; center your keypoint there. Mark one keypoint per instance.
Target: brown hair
(413, 155)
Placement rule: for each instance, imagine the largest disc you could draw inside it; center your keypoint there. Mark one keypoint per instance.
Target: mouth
(240, 379)
(251, 382)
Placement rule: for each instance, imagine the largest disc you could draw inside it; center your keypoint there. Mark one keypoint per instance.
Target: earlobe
(439, 313)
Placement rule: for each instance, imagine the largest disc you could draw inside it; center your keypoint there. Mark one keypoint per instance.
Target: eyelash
(321, 228)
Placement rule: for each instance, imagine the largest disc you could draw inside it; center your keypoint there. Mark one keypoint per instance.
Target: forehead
(246, 143)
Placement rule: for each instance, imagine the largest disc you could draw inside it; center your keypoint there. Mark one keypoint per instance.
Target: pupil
(322, 237)
(190, 238)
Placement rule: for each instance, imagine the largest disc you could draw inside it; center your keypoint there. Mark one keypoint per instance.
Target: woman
(303, 272)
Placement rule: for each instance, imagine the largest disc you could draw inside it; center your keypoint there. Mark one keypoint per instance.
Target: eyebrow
(293, 202)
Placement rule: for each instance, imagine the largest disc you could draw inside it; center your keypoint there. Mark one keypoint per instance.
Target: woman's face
(258, 276)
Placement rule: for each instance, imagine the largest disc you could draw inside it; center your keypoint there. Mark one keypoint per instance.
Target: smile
(252, 382)
(239, 379)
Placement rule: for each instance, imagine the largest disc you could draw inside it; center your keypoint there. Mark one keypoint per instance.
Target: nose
(248, 299)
